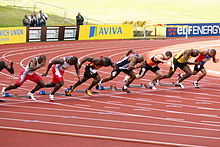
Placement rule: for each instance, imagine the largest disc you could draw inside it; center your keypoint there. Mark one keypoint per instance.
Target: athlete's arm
(159, 58)
(90, 59)
(215, 60)
(140, 65)
(130, 51)
(9, 69)
(186, 55)
(77, 70)
(56, 61)
(132, 63)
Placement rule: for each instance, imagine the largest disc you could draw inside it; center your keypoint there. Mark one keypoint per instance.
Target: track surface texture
(169, 116)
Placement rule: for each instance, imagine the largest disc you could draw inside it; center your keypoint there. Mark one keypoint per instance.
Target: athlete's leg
(142, 72)
(114, 74)
(131, 78)
(169, 75)
(51, 84)
(159, 74)
(39, 85)
(94, 82)
(57, 87)
(187, 74)
(204, 72)
(79, 82)
(194, 72)
(13, 86)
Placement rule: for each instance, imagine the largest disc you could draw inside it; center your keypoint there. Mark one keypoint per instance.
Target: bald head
(140, 58)
(212, 52)
(106, 61)
(72, 60)
(194, 53)
(42, 58)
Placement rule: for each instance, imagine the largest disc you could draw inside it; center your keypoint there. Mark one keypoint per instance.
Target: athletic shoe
(51, 97)
(97, 87)
(151, 86)
(181, 85)
(89, 92)
(31, 96)
(126, 79)
(179, 76)
(3, 91)
(125, 89)
(157, 83)
(196, 84)
(67, 92)
(2, 101)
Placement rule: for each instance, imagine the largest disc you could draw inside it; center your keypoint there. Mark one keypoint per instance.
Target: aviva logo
(96, 31)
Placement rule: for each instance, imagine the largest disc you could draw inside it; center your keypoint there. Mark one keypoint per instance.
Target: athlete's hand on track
(12, 63)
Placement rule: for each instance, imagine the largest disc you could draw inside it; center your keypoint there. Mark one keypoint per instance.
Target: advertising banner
(12, 35)
(58, 33)
(98, 32)
(192, 30)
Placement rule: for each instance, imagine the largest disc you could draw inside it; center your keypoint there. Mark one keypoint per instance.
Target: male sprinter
(91, 72)
(10, 69)
(126, 65)
(152, 65)
(28, 73)
(181, 60)
(203, 57)
(58, 68)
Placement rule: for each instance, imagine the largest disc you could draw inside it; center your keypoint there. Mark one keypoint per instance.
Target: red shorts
(57, 74)
(24, 77)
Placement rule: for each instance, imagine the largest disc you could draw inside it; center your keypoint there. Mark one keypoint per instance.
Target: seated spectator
(42, 18)
(26, 21)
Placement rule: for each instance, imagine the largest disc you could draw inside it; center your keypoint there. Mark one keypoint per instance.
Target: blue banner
(199, 29)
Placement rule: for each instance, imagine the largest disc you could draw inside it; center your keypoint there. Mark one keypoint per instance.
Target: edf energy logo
(96, 31)
(172, 31)
(200, 29)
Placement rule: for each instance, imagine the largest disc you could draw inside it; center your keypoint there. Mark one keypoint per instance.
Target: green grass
(12, 17)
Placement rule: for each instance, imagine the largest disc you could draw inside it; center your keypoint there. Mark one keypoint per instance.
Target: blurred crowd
(34, 19)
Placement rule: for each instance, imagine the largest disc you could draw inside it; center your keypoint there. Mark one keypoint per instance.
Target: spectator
(42, 18)
(34, 20)
(79, 19)
(26, 21)
(42, 21)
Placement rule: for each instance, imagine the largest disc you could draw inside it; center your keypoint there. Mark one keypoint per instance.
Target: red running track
(169, 116)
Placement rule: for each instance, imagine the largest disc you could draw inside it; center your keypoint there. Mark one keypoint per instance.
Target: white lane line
(114, 121)
(111, 107)
(111, 128)
(97, 136)
(106, 112)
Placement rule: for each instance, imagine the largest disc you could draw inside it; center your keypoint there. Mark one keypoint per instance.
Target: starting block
(43, 93)
(79, 91)
(15, 95)
(139, 86)
(111, 87)
(83, 91)
(169, 84)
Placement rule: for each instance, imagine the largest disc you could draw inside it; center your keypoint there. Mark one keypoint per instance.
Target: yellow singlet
(180, 57)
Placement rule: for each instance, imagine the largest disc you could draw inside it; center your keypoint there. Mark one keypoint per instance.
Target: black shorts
(175, 64)
(116, 71)
(90, 72)
(147, 67)
(198, 67)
